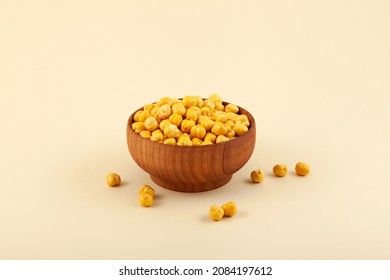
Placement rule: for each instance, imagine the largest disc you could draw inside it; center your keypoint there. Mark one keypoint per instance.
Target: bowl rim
(252, 125)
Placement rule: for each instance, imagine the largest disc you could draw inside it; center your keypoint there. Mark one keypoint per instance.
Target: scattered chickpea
(257, 176)
(146, 189)
(216, 213)
(280, 170)
(302, 169)
(113, 179)
(229, 209)
(145, 199)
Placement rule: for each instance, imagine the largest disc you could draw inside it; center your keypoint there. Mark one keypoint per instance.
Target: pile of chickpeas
(190, 121)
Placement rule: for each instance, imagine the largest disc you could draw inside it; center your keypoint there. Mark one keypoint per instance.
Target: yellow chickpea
(230, 123)
(192, 114)
(209, 104)
(184, 141)
(199, 101)
(157, 136)
(231, 116)
(231, 133)
(138, 127)
(189, 101)
(186, 125)
(143, 116)
(146, 189)
(205, 111)
(302, 169)
(215, 98)
(240, 129)
(164, 112)
(221, 117)
(219, 106)
(280, 170)
(164, 123)
(145, 134)
(206, 122)
(113, 179)
(170, 141)
(196, 141)
(145, 199)
(179, 108)
(219, 129)
(242, 119)
(257, 176)
(221, 138)
(149, 107)
(206, 142)
(151, 123)
(198, 131)
(231, 108)
(165, 100)
(210, 137)
(171, 131)
(216, 213)
(136, 116)
(229, 209)
(175, 118)
(154, 110)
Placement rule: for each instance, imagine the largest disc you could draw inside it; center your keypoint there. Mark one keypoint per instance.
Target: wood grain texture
(194, 168)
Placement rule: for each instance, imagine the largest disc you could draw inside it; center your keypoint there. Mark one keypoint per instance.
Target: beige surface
(314, 74)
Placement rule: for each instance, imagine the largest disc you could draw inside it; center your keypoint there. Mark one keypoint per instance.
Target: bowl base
(185, 187)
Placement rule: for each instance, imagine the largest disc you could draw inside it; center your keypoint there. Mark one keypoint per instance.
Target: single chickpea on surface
(229, 209)
(145, 199)
(302, 169)
(257, 176)
(113, 179)
(216, 213)
(280, 170)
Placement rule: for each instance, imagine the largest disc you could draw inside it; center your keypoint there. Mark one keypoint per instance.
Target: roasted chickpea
(280, 170)
(113, 179)
(145, 199)
(257, 176)
(302, 169)
(229, 209)
(216, 213)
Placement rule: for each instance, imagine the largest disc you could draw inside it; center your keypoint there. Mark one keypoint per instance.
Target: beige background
(314, 74)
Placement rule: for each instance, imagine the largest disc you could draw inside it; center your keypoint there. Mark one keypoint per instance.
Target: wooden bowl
(192, 168)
